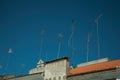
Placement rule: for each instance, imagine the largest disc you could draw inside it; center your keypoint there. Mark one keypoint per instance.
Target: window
(64, 77)
(59, 78)
(49, 78)
(54, 78)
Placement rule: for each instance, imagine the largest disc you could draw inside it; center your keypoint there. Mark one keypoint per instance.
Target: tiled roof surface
(95, 67)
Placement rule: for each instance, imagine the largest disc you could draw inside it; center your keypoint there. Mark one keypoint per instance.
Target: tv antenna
(70, 41)
(60, 37)
(8, 59)
(98, 44)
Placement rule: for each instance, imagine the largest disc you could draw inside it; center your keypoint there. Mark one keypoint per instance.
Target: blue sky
(21, 23)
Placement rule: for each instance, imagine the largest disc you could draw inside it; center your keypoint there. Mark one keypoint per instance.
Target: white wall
(39, 68)
(36, 70)
(56, 70)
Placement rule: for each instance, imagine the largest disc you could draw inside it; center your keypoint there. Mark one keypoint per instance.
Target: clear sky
(22, 21)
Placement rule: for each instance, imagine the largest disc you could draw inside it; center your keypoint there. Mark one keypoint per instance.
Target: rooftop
(93, 62)
(95, 67)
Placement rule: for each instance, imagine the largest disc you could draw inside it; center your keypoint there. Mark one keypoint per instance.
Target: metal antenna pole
(73, 54)
(0, 66)
(60, 36)
(88, 40)
(46, 56)
(96, 21)
(70, 41)
(41, 43)
(22, 70)
(9, 52)
(98, 41)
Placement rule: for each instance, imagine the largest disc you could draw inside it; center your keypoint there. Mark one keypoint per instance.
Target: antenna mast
(96, 21)
(73, 53)
(1, 66)
(46, 56)
(41, 43)
(22, 70)
(60, 36)
(88, 40)
(70, 41)
(8, 60)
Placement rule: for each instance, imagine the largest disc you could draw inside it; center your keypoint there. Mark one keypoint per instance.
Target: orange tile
(94, 67)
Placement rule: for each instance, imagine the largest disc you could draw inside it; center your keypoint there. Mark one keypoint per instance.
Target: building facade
(57, 69)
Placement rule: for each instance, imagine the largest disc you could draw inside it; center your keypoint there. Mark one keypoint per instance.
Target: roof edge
(57, 59)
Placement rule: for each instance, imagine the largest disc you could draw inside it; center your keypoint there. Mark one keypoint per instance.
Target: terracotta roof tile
(96, 67)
